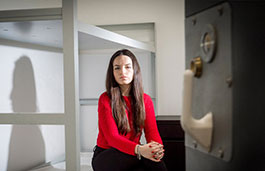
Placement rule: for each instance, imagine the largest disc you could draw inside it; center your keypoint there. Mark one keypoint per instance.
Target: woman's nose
(123, 70)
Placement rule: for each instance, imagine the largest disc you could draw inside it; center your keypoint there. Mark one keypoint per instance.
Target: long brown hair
(117, 102)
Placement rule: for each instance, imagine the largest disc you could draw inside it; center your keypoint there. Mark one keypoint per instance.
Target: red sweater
(109, 136)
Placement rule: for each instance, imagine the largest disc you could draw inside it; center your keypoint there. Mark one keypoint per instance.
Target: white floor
(85, 164)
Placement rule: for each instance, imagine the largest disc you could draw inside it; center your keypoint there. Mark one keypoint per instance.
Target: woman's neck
(125, 89)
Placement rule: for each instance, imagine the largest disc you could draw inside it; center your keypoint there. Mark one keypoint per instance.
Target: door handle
(199, 129)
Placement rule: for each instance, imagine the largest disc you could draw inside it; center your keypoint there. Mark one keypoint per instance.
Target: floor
(85, 164)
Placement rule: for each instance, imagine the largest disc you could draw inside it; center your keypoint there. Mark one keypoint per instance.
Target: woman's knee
(113, 159)
(155, 166)
(107, 160)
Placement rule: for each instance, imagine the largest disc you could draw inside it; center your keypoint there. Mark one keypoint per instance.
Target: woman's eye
(128, 67)
(116, 68)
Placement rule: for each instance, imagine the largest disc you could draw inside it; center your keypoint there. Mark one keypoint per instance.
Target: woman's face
(123, 70)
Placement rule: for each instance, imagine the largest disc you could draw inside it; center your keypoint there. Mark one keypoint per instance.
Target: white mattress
(85, 164)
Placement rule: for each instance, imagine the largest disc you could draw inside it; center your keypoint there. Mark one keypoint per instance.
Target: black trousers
(115, 160)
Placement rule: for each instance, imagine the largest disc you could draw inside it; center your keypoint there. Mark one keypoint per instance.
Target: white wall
(168, 16)
(31, 81)
(23, 147)
(44, 73)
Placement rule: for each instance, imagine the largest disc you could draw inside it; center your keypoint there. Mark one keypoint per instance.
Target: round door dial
(208, 43)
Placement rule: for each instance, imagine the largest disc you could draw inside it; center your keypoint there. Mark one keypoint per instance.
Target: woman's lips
(123, 77)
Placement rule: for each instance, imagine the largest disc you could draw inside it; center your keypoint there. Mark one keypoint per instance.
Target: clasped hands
(152, 151)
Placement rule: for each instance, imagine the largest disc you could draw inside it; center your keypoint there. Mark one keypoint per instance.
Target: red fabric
(109, 136)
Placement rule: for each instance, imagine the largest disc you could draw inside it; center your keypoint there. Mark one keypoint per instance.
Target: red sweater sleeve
(150, 128)
(109, 128)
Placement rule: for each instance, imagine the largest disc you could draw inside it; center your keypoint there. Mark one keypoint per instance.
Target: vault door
(208, 40)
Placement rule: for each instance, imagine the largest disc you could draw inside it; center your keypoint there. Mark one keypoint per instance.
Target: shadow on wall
(26, 148)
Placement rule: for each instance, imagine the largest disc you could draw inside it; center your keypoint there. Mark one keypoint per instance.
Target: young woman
(124, 110)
